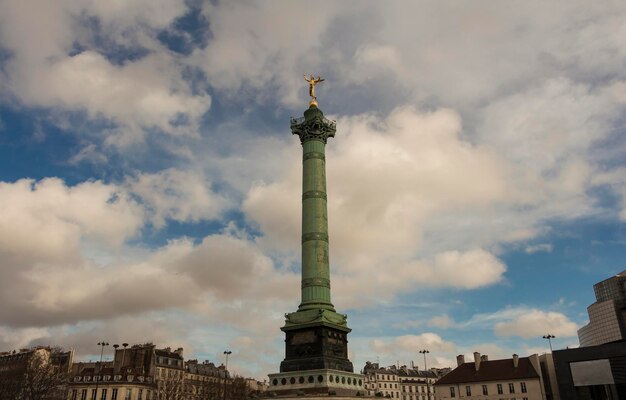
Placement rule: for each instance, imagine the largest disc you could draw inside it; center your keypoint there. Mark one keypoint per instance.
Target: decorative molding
(314, 155)
(314, 194)
(315, 236)
(315, 282)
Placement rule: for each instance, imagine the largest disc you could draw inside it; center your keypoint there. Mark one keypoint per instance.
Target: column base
(317, 382)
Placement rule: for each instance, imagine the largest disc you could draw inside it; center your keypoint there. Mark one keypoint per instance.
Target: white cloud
(616, 180)
(410, 343)
(137, 95)
(49, 219)
(541, 247)
(53, 271)
(441, 321)
(177, 195)
(536, 323)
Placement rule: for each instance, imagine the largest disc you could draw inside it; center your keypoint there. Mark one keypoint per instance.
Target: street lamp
(227, 352)
(101, 344)
(549, 337)
(424, 352)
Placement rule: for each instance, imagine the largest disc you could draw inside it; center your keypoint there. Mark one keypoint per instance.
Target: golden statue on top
(312, 82)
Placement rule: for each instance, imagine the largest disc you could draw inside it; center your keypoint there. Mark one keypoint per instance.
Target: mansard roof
(493, 370)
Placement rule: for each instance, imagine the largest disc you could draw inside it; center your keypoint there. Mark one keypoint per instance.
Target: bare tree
(237, 389)
(44, 380)
(170, 388)
(37, 376)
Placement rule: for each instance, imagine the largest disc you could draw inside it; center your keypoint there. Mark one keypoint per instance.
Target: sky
(150, 185)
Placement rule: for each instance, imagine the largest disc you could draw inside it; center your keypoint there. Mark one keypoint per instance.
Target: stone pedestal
(321, 382)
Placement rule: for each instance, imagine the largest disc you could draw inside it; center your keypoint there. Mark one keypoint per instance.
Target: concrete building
(143, 372)
(381, 381)
(592, 372)
(170, 372)
(204, 380)
(39, 372)
(514, 378)
(129, 376)
(607, 316)
(140, 372)
(406, 383)
(550, 385)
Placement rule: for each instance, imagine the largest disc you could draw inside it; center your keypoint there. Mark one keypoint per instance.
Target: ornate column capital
(313, 126)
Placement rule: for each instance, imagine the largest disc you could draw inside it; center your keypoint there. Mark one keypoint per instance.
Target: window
(74, 394)
(500, 388)
(93, 394)
(511, 388)
(485, 391)
(129, 393)
(452, 394)
(140, 395)
(83, 394)
(523, 386)
(468, 390)
(104, 395)
(113, 394)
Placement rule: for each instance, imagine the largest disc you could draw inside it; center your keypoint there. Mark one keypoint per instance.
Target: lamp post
(227, 352)
(101, 344)
(424, 352)
(549, 337)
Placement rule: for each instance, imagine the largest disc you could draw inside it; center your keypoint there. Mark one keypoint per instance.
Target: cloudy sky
(150, 185)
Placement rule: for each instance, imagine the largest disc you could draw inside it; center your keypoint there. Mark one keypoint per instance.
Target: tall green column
(316, 336)
(314, 130)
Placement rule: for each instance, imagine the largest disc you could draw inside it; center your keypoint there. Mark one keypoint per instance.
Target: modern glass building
(607, 316)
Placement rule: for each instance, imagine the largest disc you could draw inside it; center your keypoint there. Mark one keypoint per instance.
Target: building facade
(592, 372)
(607, 316)
(39, 372)
(399, 383)
(143, 372)
(129, 376)
(204, 380)
(516, 378)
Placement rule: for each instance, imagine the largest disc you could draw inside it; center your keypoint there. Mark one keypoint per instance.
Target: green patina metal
(315, 307)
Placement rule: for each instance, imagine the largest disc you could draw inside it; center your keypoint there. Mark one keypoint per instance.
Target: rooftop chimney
(179, 351)
(515, 360)
(484, 357)
(477, 360)
(460, 359)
